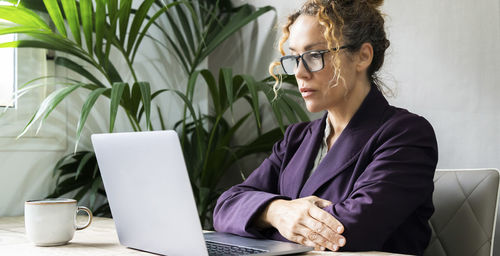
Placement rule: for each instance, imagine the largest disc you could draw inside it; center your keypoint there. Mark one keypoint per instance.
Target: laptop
(153, 206)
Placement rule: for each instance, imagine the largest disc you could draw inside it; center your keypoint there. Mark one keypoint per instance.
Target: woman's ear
(365, 57)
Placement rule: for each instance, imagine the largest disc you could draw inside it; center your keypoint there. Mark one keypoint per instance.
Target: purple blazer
(378, 174)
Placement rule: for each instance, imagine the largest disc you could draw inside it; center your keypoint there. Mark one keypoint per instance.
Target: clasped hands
(305, 222)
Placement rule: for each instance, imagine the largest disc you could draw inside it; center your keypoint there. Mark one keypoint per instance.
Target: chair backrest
(466, 210)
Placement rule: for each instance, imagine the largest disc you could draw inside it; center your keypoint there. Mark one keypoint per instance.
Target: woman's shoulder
(401, 122)
(403, 119)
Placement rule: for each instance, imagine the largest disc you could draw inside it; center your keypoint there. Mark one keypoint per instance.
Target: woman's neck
(340, 115)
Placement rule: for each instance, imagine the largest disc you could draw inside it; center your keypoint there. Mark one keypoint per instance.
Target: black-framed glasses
(312, 60)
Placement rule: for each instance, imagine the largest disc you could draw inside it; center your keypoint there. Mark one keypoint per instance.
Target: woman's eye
(315, 55)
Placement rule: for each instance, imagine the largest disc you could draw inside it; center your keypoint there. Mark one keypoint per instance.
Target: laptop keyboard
(216, 249)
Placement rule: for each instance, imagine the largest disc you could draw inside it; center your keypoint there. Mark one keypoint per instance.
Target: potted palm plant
(89, 30)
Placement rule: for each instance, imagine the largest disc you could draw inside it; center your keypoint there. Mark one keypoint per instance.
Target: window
(19, 66)
(7, 73)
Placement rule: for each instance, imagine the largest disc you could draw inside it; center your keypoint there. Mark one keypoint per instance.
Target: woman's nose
(301, 71)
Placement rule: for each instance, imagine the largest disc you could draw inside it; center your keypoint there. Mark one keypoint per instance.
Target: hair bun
(375, 3)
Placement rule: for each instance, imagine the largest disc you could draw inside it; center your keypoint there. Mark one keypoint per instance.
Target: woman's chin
(313, 108)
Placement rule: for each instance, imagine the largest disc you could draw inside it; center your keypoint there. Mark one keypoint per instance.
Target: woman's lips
(307, 92)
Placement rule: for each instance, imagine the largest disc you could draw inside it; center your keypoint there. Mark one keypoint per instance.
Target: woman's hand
(303, 221)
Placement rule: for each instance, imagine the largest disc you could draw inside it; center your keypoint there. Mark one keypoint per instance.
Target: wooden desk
(99, 239)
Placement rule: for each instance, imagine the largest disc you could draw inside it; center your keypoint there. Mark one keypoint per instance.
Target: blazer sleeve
(397, 181)
(238, 207)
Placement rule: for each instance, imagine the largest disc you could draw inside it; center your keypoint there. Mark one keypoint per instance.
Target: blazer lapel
(297, 170)
(347, 147)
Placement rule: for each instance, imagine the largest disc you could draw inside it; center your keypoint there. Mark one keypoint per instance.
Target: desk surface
(99, 239)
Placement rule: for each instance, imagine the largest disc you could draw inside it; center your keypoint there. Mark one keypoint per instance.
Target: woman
(361, 177)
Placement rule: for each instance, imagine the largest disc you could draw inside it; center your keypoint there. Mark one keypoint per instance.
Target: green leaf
(238, 88)
(185, 61)
(52, 41)
(139, 17)
(81, 193)
(61, 162)
(289, 79)
(56, 100)
(67, 169)
(196, 21)
(146, 28)
(113, 73)
(198, 125)
(223, 98)
(100, 22)
(252, 88)
(83, 163)
(96, 170)
(226, 139)
(186, 27)
(162, 121)
(116, 97)
(297, 109)
(212, 87)
(124, 14)
(283, 107)
(23, 16)
(180, 40)
(66, 186)
(261, 144)
(84, 113)
(227, 81)
(47, 41)
(135, 100)
(21, 30)
(294, 93)
(63, 44)
(56, 16)
(86, 11)
(103, 211)
(28, 85)
(277, 113)
(154, 95)
(112, 8)
(48, 105)
(110, 33)
(73, 19)
(191, 84)
(79, 69)
(93, 192)
(146, 100)
(238, 20)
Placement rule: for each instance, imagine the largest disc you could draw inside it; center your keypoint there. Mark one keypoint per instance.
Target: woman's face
(318, 88)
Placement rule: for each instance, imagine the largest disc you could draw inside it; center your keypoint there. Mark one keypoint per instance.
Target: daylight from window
(7, 73)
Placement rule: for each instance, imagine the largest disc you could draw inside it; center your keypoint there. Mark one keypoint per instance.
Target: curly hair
(352, 22)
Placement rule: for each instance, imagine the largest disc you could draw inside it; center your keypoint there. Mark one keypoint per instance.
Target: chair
(465, 216)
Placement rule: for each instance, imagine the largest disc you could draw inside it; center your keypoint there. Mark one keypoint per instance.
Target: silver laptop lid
(135, 166)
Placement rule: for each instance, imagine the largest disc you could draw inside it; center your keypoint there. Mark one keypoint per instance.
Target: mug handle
(89, 213)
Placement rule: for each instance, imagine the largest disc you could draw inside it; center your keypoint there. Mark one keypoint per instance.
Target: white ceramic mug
(51, 222)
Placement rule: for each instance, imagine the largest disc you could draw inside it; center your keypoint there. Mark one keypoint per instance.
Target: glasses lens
(289, 64)
(314, 61)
